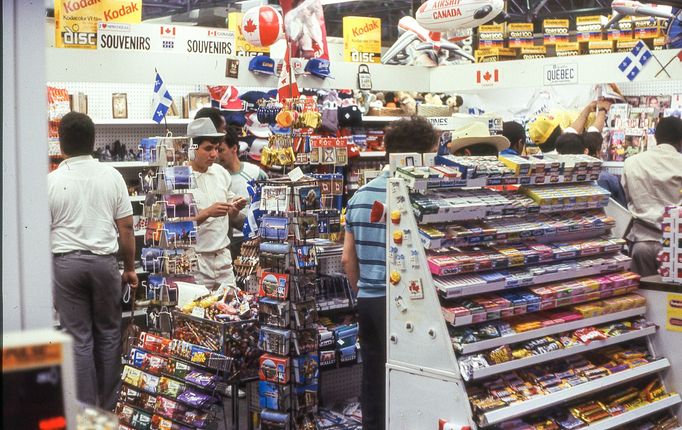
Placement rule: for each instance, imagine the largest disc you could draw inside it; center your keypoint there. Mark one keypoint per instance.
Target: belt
(78, 252)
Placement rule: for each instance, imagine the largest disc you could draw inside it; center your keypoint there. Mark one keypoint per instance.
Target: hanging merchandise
(305, 29)
(262, 26)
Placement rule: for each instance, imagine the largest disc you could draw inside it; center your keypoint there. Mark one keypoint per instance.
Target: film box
(567, 49)
(645, 27)
(622, 30)
(555, 31)
(659, 43)
(491, 36)
(520, 35)
(588, 28)
(625, 45)
(531, 52)
(600, 47)
(495, 54)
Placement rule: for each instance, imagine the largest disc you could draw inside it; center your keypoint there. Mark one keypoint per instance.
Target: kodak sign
(361, 39)
(76, 20)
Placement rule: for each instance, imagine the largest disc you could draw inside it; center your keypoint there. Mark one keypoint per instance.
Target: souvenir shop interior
(501, 256)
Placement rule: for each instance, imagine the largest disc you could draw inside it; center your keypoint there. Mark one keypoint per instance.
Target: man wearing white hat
(217, 204)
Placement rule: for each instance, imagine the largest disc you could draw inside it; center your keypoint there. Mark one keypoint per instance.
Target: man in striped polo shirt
(364, 260)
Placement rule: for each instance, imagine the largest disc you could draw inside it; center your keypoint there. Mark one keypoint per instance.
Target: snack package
(195, 398)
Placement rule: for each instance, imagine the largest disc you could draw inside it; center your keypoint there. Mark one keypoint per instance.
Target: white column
(26, 259)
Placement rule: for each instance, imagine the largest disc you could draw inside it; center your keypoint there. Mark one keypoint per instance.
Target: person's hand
(233, 210)
(130, 277)
(592, 106)
(239, 203)
(218, 209)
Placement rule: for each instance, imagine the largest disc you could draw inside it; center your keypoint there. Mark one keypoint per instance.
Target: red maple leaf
(250, 27)
(487, 76)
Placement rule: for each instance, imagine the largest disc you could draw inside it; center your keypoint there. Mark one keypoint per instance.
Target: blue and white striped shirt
(370, 238)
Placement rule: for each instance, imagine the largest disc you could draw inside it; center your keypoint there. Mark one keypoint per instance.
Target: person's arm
(579, 124)
(214, 211)
(600, 120)
(126, 243)
(349, 260)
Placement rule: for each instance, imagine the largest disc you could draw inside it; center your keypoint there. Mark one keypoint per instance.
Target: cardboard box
(531, 52)
(625, 45)
(520, 35)
(622, 30)
(495, 54)
(589, 28)
(555, 31)
(491, 36)
(645, 27)
(600, 47)
(568, 49)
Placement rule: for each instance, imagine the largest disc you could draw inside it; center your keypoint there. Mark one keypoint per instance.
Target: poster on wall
(673, 321)
(243, 48)
(165, 38)
(361, 39)
(305, 29)
(76, 20)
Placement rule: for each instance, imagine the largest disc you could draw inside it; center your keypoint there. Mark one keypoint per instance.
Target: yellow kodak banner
(76, 20)
(361, 39)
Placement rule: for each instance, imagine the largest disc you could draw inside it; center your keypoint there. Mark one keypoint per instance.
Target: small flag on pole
(287, 87)
(162, 100)
(635, 60)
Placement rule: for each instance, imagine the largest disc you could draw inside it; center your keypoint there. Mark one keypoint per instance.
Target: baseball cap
(256, 148)
(235, 118)
(255, 127)
(542, 128)
(318, 67)
(252, 97)
(202, 127)
(262, 64)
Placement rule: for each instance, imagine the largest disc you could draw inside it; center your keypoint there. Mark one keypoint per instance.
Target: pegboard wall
(651, 88)
(338, 385)
(139, 97)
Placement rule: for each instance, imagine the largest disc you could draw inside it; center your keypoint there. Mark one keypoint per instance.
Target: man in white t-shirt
(218, 206)
(88, 203)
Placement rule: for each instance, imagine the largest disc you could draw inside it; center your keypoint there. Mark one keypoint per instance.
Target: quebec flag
(162, 100)
(635, 60)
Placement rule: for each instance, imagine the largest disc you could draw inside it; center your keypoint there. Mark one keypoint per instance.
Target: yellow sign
(361, 39)
(28, 357)
(76, 20)
(244, 48)
(673, 320)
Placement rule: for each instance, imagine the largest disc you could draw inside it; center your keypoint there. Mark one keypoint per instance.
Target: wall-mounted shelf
(129, 122)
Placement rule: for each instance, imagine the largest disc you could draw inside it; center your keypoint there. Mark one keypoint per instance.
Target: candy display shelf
(636, 414)
(500, 297)
(562, 396)
(549, 356)
(553, 329)
(454, 286)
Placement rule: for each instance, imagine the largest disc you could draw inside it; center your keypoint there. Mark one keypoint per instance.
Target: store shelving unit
(424, 379)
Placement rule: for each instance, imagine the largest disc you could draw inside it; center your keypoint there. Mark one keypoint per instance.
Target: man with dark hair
(218, 206)
(88, 203)
(571, 143)
(364, 255)
(516, 135)
(652, 180)
(241, 174)
(214, 115)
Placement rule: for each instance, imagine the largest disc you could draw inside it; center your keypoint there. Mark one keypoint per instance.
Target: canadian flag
(167, 31)
(485, 76)
(287, 88)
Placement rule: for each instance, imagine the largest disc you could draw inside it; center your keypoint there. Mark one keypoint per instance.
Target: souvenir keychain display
(289, 366)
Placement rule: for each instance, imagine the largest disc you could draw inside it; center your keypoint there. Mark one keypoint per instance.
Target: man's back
(652, 180)
(85, 199)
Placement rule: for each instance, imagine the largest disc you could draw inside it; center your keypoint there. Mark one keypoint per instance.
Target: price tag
(198, 312)
(296, 174)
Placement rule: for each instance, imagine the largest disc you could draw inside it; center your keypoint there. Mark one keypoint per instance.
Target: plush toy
(409, 105)
(380, 98)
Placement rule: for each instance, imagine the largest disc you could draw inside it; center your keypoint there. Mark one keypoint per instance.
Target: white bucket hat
(202, 127)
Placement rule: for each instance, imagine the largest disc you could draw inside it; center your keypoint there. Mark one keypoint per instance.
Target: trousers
(372, 333)
(215, 269)
(644, 255)
(87, 295)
